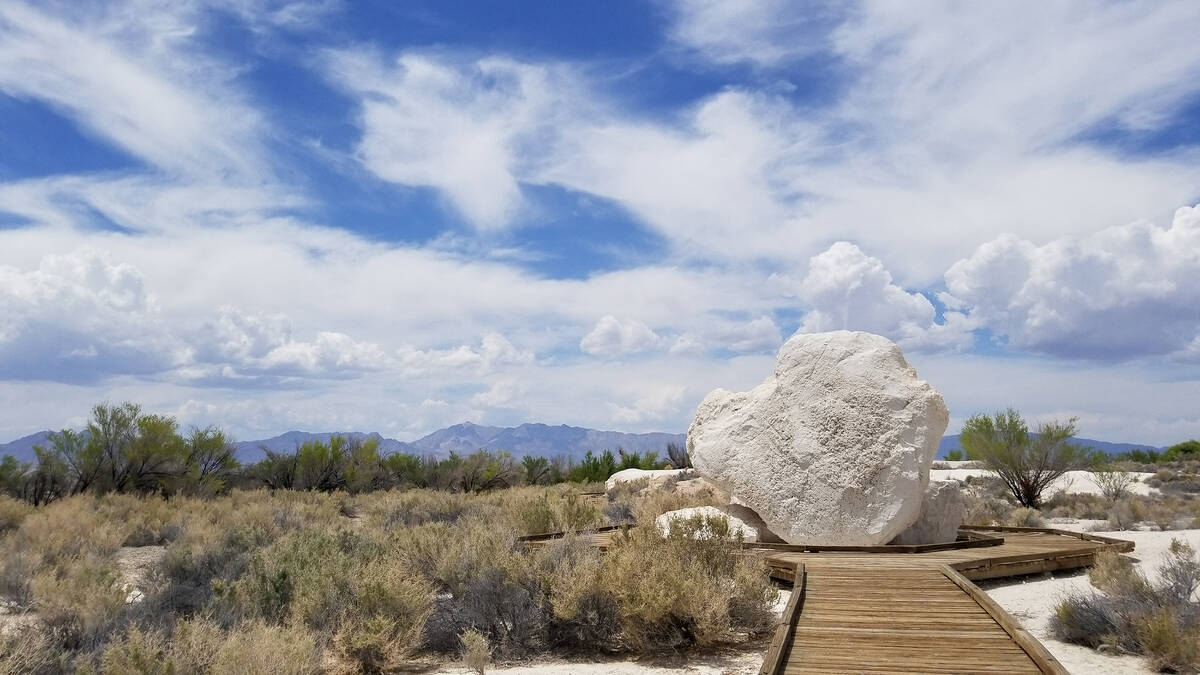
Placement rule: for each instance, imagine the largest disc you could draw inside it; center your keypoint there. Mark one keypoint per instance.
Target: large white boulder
(833, 448)
(942, 511)
(740, 518)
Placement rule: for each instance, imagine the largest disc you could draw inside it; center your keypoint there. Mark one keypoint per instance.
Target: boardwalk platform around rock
(883, 612)
(906, 609)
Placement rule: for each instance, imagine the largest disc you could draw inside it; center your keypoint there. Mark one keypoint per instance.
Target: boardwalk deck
(918, 612)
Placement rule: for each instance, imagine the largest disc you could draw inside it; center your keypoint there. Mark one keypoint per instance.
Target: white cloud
(764, 32)
(503, 394)
(79, 316)
(656, 404)
(754, 336)
(493, 351)
(612, 337)
(130, 77)
(1125, 291)
(462, 128)
(847, 289)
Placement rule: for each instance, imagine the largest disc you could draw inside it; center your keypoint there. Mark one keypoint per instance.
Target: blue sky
(397, 216)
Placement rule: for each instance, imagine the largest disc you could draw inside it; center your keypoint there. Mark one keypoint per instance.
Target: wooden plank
(1040, 655)
(774, 661)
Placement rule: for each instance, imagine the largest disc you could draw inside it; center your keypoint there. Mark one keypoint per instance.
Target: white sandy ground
(1031, 601)
(1072, 482)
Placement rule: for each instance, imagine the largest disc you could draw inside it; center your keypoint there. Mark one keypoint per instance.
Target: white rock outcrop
(741, 519)
(833, 448)
(654, 477)
(943, 509)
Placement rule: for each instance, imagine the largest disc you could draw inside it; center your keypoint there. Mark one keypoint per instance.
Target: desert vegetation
(333, 559)
(126, 450)
(1131, 612)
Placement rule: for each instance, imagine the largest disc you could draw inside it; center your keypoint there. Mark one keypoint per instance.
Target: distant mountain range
(526, 439)
(1107, 447)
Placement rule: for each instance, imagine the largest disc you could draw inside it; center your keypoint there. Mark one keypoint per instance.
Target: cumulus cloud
(505, 393)
(848, 289)
(1123, 292)
(243, 345)
(79, 316)
(494, 350)
(612, 337)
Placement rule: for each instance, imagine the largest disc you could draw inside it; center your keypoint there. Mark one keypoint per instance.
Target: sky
(371, 215)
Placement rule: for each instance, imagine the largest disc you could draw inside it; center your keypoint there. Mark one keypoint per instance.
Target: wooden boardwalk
(883, 612)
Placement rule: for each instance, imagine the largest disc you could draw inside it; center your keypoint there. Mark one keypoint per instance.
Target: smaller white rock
(741, 519)
(656, 476)
(942, 511)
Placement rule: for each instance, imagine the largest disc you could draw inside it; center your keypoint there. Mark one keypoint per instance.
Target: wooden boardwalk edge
(1024, 639)
(776, 656)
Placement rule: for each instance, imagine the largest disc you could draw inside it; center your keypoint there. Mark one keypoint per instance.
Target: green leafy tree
(593, 469)
(1185, 450)
(111, 431)
(84, 461)
(210, 462)
(1027, 464)
(153, 458)
(322, 466)
(364, 470)
(402, 468)
(536, 469)
(954, 455)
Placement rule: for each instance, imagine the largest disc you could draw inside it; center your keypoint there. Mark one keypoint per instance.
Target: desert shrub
(78, 600)
(12, 513)
(1113, 483)
(1126, 514)
(137, 653)
(1078, 506)
(685, 589)
(986, 510)
(1155, 617)
(1025, 517)
(1181, 477)
(584, 611)
(477, 655)
(954, 455)
(261, 648)
(32, 651)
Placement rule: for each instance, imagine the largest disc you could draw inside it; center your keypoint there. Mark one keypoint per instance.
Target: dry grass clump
(1177, 477)
(1025, 517)
(304, 581)
(477, 656)
(12, 513)
(1128, 611)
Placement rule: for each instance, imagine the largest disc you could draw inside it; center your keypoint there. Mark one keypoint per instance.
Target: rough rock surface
(656, 477)
(942, 511)
(741, 519)
(833, 448)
